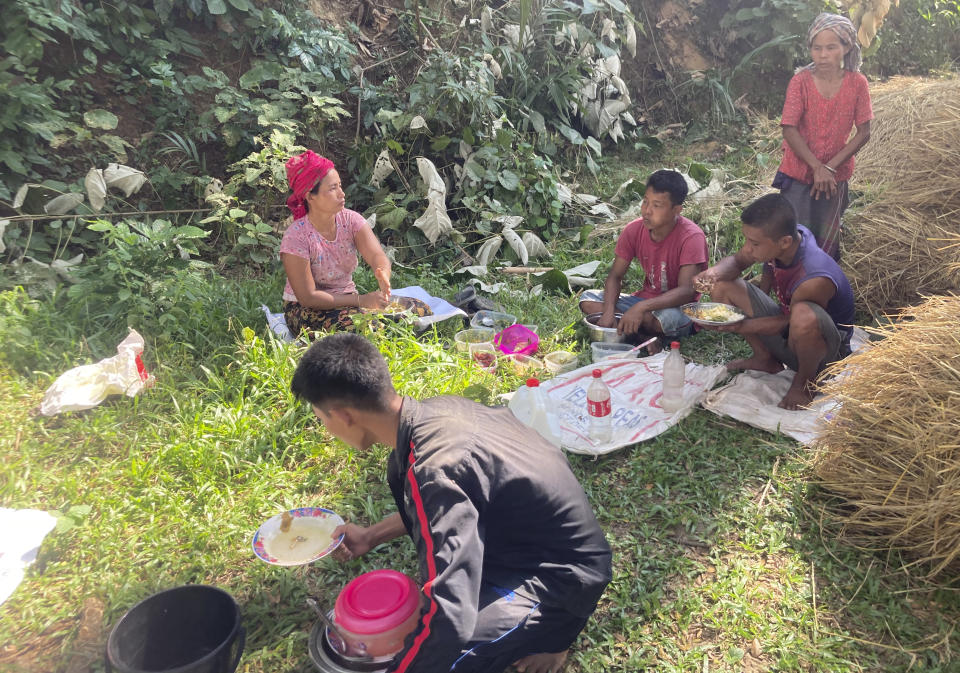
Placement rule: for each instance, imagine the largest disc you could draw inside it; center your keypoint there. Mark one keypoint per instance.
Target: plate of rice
(712, 313)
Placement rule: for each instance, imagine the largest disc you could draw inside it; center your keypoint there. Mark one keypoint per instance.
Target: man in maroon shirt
(671, 250)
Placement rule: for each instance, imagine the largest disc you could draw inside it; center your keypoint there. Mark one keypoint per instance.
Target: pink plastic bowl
(376, 611)
(517, 340)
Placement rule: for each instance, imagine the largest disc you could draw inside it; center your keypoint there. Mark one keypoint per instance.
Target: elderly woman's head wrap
(843, 28)
(304, 171)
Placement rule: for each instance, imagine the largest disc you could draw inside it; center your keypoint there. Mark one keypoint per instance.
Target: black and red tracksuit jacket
(485, 498)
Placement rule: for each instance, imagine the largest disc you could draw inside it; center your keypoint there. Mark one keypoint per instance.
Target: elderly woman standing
(825, 100)
(319, 251)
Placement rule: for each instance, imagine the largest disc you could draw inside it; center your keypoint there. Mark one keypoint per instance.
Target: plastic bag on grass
(87, 386)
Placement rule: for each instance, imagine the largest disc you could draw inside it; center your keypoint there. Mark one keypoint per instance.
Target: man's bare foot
(768, 365)
(544, 662)
(797, 398)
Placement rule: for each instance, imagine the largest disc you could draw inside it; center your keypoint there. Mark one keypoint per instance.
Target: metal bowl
(605, 334)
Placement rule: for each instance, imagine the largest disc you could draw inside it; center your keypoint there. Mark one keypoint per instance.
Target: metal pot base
(328, 660)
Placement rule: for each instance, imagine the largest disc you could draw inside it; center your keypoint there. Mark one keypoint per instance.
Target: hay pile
(898, 246)
(892, 451)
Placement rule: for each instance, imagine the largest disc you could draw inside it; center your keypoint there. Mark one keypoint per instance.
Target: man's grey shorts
(672, 320)
(764, 306)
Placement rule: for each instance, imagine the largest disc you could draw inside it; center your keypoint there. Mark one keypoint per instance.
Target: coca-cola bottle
(598, 408)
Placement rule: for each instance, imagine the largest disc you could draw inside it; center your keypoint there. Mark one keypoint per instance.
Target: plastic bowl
(559, 362)
(494, 319)
(524, 364)
(604, 334)
(485, 355)
(611, 351)
(474, 335)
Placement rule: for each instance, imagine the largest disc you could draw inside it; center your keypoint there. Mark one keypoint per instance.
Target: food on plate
(714, 313)
(285, 520)
(303, 540)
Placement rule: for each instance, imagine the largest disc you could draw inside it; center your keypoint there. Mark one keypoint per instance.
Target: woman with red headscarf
(319, 251)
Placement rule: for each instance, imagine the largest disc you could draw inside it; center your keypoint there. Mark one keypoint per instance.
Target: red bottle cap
(376, 602)
(674, 344)
(533, 383)
(597, 373)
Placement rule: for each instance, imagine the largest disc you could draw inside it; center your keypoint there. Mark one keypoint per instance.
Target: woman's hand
(824, 183)
(382, 274)
(372, 300)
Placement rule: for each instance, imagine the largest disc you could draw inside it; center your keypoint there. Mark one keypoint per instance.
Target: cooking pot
(376, 611)
(605, 334)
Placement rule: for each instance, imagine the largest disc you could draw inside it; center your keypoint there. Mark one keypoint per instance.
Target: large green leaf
(216, 7)
(100, 119)
(509, 180)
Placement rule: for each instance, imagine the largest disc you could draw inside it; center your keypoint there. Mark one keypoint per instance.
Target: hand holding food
(703, 282)
(373, 301)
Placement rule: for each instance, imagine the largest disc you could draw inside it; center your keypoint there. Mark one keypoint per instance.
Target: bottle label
(598, 409)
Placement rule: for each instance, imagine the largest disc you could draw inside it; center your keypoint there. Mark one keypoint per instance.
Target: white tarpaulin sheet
(21, 532)
(752, 398)
(635, 388)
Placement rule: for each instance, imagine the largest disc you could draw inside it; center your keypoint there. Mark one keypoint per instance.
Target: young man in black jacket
(511, 555)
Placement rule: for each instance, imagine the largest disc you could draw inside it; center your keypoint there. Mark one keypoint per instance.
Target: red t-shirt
(661, 260)
(824, 123)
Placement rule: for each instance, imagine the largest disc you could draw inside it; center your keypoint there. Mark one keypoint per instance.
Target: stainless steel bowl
(606, 334)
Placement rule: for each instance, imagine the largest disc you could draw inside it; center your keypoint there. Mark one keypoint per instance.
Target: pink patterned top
(824, 123)
(332, 263)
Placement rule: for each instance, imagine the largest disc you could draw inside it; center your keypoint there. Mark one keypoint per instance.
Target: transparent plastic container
(485, 356)
(493, 319)
(560, 362)
(524, 365)
(603, 350)
(474, 335)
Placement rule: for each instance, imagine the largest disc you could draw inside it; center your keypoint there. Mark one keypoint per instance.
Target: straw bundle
(898, 253)
(892, 450)
(894, 248)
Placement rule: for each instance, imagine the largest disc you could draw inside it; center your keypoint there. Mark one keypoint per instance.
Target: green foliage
(135, 276)
(47, 115)
(917, 37)
(498, 117)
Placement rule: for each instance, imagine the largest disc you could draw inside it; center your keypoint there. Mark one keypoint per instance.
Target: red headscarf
(304, 171)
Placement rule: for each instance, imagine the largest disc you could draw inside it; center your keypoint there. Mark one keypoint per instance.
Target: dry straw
(894, 248)
(892, 450)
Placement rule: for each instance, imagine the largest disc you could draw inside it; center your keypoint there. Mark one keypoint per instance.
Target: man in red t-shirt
(671, 250)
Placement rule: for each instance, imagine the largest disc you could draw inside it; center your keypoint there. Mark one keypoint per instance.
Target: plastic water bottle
(674, 368)
(529, 405)
(598, 407)
(539, 419)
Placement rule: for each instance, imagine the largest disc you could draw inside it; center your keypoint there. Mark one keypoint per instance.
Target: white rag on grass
(442, 309)
(752, 398)
(635, 388)
(21, 532)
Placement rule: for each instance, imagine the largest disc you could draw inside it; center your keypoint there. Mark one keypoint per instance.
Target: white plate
(307, 521)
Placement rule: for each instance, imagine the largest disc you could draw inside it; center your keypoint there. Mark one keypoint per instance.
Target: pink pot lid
(376, 602)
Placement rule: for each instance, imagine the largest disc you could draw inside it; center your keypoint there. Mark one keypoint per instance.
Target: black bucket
(188, 629)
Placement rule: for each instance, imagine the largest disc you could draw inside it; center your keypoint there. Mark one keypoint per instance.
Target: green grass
(722, 562)
(715, 530)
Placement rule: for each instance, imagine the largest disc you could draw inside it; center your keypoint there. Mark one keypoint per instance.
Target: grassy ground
(722, 558)
(721, 562)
